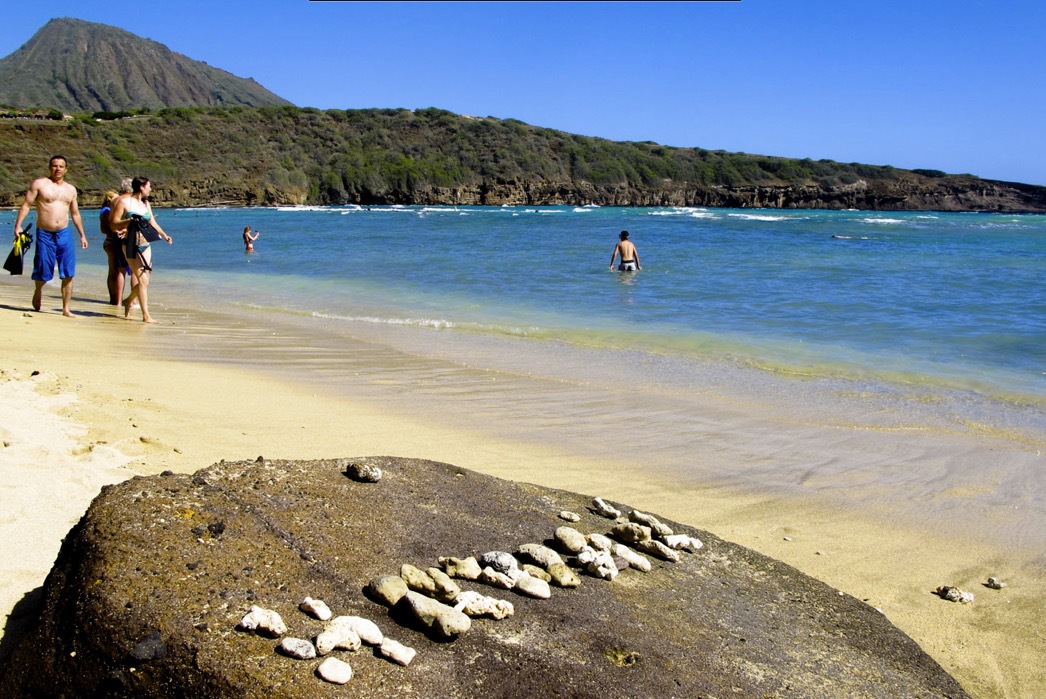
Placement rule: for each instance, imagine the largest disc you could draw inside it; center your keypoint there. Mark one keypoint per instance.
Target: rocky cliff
(160, 589)
(958, 193)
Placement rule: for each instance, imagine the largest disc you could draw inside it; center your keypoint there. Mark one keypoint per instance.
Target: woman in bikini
(137, 209)
(249, 238)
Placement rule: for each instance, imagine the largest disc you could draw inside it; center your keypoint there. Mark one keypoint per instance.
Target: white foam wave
(436, 323)
(682, 211)
(880, 220)
(760, 217)
(393, 208)
(303, 208)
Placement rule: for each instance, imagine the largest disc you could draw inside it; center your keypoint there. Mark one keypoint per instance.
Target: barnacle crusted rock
(723, 621)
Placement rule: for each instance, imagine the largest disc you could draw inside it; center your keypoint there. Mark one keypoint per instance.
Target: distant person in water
(629, 254)
(55, 203)
(249, 238)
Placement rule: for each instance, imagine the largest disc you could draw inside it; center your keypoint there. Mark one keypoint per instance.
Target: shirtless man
(55, 202)
(628, 252)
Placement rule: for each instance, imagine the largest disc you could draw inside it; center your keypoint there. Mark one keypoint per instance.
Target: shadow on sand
(20, 621)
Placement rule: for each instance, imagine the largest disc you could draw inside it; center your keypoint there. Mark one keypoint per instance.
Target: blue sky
(943, 84)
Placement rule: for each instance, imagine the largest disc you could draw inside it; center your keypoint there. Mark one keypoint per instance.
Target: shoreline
(134, 413)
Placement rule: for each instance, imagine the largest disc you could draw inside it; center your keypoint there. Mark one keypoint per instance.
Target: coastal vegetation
(273, 155)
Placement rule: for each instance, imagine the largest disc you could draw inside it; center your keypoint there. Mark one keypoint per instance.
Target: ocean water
(955, 300)
(896, 359)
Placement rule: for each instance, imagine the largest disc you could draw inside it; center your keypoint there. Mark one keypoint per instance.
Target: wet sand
(114, 398)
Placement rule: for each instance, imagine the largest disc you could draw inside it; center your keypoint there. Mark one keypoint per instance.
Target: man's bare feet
(148, 320)
(37, 299)
(67, 313)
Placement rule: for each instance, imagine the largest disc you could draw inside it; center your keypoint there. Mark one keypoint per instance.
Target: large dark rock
(148, 589)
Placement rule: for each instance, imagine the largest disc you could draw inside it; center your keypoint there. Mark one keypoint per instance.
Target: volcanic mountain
(79, 66)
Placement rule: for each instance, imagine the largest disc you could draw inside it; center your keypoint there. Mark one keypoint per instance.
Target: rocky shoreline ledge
(953, 193)
(909, 192)
(151, 593)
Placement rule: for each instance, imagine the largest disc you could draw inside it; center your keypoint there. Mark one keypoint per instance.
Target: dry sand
(99, 412)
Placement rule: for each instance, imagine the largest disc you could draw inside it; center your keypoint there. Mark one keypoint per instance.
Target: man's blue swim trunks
(52, 247)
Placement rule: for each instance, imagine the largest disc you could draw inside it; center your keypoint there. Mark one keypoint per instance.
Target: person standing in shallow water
(248, 239)
(55, 203)
(629, 254)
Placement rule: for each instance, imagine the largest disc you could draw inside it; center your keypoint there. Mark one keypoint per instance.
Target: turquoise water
(955, 299)
(888, 361)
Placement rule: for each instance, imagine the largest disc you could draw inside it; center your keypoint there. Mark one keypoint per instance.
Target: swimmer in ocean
(249, 238)
(629, 255)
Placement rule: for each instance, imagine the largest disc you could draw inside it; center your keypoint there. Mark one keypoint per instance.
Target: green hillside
(290, 155)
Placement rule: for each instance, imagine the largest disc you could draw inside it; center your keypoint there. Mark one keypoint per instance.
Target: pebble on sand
(954, 594)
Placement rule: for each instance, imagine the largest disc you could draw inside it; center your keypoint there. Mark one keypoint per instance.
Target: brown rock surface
(148, 589)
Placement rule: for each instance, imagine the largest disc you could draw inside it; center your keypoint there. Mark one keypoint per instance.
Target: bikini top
(130, 214)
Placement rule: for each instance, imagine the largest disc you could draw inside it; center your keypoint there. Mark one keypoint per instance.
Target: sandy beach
(83, 405)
